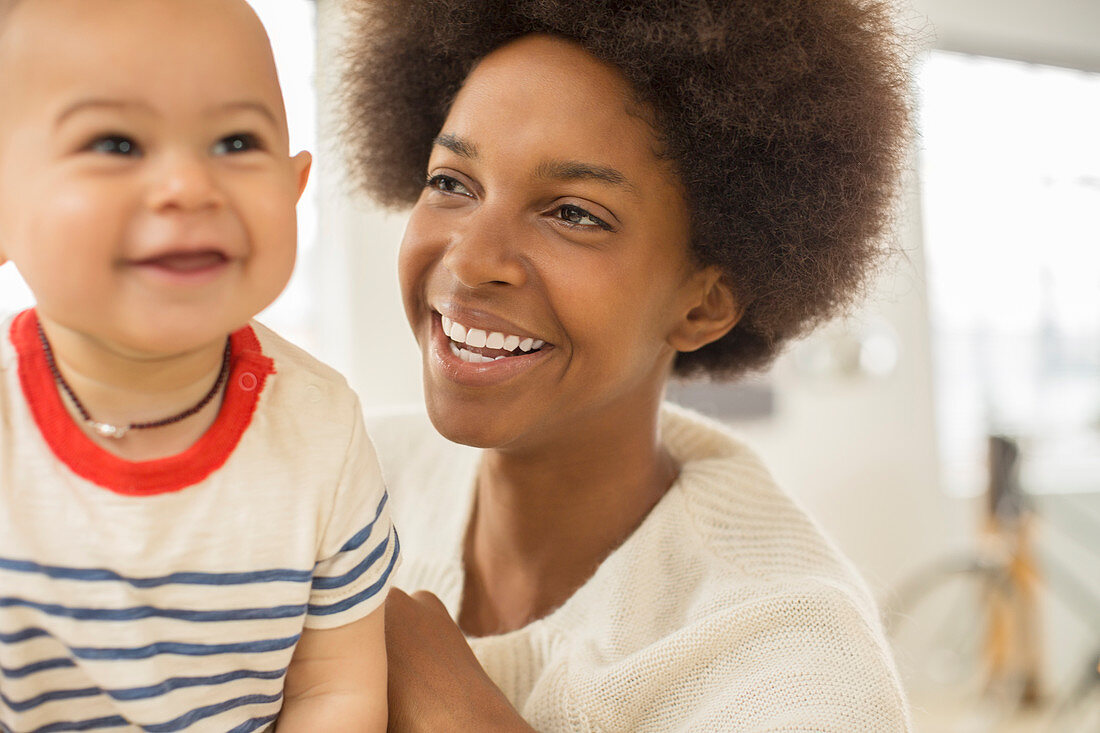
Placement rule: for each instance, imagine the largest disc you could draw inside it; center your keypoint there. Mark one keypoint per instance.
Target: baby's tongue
(187, 261)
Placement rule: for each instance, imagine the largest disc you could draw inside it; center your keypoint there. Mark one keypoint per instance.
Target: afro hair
(787, 121)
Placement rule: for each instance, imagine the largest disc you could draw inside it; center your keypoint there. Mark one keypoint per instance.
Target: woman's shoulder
(748, 526)
(731, 590)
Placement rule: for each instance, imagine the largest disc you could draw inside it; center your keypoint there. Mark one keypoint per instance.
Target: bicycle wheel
(943, 626)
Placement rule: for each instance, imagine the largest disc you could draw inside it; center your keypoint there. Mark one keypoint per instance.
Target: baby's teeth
(538, 344)
(510, 343)
(475, 337)
(525, 345)
(447, 322)
(495, 340)
(458, 333)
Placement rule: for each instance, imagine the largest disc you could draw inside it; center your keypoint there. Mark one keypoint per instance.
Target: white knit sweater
(725, 610)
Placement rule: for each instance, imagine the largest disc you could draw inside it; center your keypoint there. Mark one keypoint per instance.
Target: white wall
(355, 273)
(1057, 32)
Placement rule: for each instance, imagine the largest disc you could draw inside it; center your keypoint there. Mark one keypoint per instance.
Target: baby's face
(146, 192)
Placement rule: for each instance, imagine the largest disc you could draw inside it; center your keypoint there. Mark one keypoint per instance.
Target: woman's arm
(336, 682)
(435, 680)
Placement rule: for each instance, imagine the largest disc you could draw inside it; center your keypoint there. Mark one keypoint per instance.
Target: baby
(193, 528)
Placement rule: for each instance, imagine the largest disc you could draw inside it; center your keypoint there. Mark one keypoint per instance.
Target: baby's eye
(447, 184)
(240, 142)
(577, 216)
(114, 145)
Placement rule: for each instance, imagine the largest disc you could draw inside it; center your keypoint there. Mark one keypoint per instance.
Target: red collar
(248, 372)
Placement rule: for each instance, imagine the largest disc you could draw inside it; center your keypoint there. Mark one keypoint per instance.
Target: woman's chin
(466, 427)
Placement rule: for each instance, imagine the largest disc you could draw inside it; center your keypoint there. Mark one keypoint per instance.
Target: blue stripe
(113, 721)
(28, 633)
(45, 697)
(184, 649)
(15, 673)
(339, 581)
(205, 712)
(138, 693)
(176, 683)
(140, 612)
(250, 725)
(361, 536)
(181, 578)
(319, 610)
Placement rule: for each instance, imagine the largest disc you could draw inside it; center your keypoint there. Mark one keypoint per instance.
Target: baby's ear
(302, 162)
(713, 311)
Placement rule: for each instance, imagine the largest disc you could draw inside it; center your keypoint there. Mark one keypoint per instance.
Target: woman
(604, 194)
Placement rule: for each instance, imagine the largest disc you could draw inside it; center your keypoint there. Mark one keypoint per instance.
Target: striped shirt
(168, 595)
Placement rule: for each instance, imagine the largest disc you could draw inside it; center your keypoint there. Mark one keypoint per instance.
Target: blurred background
(946, 434)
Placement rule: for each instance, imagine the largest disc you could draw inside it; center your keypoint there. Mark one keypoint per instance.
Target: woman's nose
(486, 250)
(184, 182)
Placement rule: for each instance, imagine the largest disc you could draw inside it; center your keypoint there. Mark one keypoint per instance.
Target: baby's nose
(185, 182)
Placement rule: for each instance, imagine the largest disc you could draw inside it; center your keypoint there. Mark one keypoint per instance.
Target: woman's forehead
(551, 98)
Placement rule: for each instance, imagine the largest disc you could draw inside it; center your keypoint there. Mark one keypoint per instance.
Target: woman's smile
(478, 356)
(490, 345)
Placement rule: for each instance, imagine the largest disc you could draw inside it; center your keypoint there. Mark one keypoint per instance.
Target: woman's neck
(543, 524)
(120, 387)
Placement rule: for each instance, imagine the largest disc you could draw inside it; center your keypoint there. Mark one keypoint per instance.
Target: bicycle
(967, 628)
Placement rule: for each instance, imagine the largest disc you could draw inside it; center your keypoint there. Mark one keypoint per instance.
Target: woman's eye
(577, 216)
(447, 184)
(241, 142)
(114, 145)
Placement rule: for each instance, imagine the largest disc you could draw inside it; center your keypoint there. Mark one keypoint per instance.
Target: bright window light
(1010, 168)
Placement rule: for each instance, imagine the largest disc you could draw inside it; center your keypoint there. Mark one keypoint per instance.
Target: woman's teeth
(472, 356)
(480, 339)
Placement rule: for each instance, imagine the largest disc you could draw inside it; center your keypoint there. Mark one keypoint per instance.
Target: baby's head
(146, 189)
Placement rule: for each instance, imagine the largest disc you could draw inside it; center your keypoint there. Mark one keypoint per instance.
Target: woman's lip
(478, 374)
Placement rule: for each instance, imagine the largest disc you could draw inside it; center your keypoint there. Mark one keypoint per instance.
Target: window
(1010, 169)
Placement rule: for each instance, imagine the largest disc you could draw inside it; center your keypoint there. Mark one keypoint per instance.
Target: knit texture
(727, 609)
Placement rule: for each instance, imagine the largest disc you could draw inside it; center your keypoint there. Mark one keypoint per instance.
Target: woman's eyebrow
(562, 170)
(457, 145)
(573, 170)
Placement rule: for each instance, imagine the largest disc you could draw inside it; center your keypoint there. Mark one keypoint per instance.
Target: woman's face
(546, 262)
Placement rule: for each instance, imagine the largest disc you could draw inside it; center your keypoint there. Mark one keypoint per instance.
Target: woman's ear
(713, 310)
